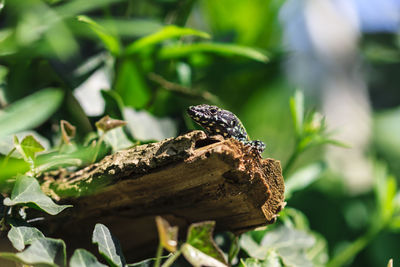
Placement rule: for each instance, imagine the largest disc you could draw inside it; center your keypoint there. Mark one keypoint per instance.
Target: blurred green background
(146, 61)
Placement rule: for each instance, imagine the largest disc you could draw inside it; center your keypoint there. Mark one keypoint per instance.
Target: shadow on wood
(186, 179)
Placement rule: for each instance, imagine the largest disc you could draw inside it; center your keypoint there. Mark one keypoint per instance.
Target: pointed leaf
(168, 235)
(30, 146)
(168, 32)
(42, 252)
(20, 236)
(27, 191)
(83, 258)
(109, 246)
(200, 237)
(30, 111)
(198, 258)
(177, 51)
(68, 131)
(106, 123)
(110, 41)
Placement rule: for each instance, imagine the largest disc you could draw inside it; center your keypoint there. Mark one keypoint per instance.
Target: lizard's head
(213, 119)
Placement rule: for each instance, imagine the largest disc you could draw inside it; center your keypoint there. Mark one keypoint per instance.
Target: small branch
(177, 88)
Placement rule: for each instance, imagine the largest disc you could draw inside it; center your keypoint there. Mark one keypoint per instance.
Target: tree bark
(186, 179)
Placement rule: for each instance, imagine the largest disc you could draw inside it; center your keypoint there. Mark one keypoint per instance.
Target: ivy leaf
(42, 252)
(27, 192)
(198, 258)
(200, 237)
(109, 246)
(168, 235)
(28, 148)
(20, 236)
(83, 258)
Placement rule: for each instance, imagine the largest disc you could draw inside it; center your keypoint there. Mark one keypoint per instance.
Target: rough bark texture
(186, 179)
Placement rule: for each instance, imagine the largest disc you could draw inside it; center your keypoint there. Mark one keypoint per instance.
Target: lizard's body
(219, 121)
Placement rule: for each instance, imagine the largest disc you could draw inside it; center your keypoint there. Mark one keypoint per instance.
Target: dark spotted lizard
(219, 121)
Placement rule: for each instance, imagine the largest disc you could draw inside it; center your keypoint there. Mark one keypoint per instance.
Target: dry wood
(186, 179)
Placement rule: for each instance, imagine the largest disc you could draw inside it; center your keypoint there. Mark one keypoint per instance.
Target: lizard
(219, 121)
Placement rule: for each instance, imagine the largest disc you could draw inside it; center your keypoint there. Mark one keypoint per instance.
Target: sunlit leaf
(200, 237)
(110, 41)
(303, 178)
(168, 32)
(27, 191)
(83, 258)
(28, 147)
(117, 139)
(30, 111)
(145, 126)
(184, 50)
(42, 252)
(167, 235)
(108, 245)
(20, 236)
(198, 258)
(289, 244)
(75, 7)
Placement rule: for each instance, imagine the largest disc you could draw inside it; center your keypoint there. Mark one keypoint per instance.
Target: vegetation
(82, 79)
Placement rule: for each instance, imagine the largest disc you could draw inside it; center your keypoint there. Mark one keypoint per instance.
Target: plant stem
(158, 255)
(98, 145)
(353, 249)
(171, 259)
(291, 160)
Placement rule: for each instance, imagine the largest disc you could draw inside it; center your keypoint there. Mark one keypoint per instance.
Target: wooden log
(186, 179)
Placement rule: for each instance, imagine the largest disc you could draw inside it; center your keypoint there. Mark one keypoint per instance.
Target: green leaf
(200, 237)
(303, 178)
(28, 147)
(27, 191)
(20, 236)
(131, 85)
(110, 41)
(117, 139)
(42, 252)
(71, 8)
(252, 247)
(83, 258)
(30, 111)
(113, 104)
(290, 244)
(109, 246)
(168, 32)
(197, 258)
(177, 51)
(297, 110)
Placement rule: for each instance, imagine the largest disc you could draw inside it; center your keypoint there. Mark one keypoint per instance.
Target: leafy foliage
(141, 63)
(27, 191)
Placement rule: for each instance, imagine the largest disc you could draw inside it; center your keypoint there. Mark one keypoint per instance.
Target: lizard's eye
(213, 110)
